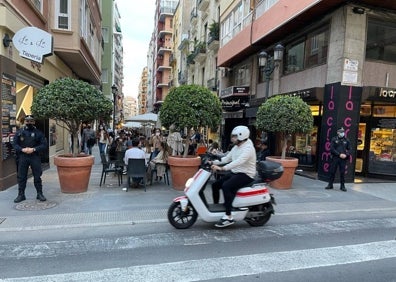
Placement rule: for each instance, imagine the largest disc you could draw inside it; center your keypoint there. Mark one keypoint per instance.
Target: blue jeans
(102, 147)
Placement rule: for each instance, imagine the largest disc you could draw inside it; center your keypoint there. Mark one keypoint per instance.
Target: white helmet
(241, 132)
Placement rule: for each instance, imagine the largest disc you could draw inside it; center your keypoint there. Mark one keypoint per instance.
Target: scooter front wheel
(181, 219)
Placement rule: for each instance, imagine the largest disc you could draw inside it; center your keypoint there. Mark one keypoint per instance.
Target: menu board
(8, 114)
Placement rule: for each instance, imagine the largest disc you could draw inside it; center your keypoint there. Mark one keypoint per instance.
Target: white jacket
(241, 158)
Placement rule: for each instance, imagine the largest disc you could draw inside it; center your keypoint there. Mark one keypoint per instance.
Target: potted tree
(188, 106)
(70, 102)
(285, 115)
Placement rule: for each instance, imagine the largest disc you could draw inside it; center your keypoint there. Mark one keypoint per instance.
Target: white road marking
(234, 266)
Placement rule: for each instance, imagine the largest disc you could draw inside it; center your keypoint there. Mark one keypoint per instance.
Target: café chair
(107, 168)
(137, 169)
(165, 176)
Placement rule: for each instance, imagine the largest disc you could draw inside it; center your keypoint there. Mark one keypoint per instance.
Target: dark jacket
(32, 138)
(340, 146)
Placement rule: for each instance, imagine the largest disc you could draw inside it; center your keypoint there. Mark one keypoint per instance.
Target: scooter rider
(241, 161)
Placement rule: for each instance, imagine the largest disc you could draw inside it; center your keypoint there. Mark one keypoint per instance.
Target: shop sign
(33, 43)
(305, 94)
(238, 114)
(387, 93)
(234, 91)
(234, 104)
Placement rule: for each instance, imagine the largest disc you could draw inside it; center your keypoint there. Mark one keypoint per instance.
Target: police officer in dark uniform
(28, 143)
(340, 151)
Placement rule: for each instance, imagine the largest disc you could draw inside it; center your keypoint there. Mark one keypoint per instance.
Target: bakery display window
(382, 156)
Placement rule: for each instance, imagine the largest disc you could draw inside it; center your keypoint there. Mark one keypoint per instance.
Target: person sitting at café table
(160, 161)
(134, 152)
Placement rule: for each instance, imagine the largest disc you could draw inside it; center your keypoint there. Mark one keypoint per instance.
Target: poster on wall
(341, 108)
(8, 114)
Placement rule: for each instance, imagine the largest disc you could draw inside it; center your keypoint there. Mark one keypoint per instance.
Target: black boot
(329, 186)
(342, 187)
(21, 197)
(41, 197)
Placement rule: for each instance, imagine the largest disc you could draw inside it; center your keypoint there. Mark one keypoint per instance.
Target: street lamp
(114, 90)
(267, 64)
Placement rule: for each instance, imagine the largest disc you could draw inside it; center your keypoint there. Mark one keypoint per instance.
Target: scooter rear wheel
(181, 219)
(259, 220)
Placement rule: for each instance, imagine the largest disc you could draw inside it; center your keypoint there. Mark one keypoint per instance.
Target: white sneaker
(224, 222)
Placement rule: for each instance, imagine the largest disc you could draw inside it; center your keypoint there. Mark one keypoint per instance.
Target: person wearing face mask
(340, 151)
(241, 162)
(28, 143)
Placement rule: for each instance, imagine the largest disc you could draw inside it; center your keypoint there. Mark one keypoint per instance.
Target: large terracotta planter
(182, 168)
(289, 168)
(74, 172)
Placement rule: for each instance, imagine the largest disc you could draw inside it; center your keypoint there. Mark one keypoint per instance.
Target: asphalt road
(345, 246)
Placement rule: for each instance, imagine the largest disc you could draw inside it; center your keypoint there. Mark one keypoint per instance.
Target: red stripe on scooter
(252, 193)
(198, 174)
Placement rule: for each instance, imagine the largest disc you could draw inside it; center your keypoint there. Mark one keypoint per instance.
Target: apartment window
(105, 75)
(316, 48)
(235, 21)
(38, 4)
(294, 60)
(62, 14)
(307, 51)
(381, 40)
(242, 76)
(105, 34)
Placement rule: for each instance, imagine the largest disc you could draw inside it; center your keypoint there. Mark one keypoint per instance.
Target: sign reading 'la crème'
(33, 43)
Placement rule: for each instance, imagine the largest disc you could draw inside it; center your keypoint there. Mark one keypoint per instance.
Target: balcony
(199, 54)
(194, 16)
(203, 5)
(182, 77)
(211, 84)
(70, 47)
(213, 43)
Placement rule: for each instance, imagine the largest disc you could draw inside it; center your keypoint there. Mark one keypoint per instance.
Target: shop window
(384, 111)
(304, 147)
(382, 151)
(316, 110)
(365, 110)
(381, 40)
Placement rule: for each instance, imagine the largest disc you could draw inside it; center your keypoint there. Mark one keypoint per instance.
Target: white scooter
(252, 203)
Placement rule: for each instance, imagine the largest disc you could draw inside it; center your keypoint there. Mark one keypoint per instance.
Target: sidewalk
(111, 205)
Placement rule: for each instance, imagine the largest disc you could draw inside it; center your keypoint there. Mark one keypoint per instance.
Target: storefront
(376, 143)
(301, 146)
(234, 100)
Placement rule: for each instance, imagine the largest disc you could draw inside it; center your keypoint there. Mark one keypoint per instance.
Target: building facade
(74, 27)
(112, 60)
(338, 57)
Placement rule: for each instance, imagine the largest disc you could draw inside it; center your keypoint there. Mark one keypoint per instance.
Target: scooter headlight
(189, 182)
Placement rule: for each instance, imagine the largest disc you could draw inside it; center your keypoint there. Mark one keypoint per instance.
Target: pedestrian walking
(28, 143)
(103, 139)
(340, 151)
(89, 139)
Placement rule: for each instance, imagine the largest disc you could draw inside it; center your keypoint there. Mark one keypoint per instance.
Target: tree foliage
(71, 101)
(191, 106)
(286, 115)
